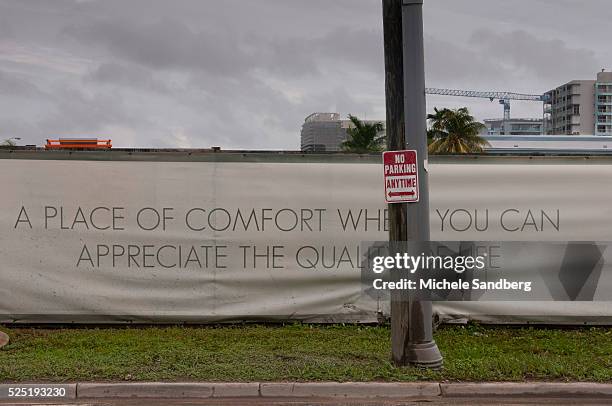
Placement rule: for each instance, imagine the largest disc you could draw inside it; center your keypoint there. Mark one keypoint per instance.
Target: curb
(349, 390)
(341, 390)
(534, 389)
(265, 390)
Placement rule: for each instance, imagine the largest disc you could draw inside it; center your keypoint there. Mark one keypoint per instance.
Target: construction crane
(503, 97)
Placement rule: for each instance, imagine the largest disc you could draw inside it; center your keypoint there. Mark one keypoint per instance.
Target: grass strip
(300, 353)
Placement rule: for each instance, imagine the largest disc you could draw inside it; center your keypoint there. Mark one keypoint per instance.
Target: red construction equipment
(79, 143)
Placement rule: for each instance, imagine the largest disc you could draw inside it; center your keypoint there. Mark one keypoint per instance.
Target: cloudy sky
(244, 74)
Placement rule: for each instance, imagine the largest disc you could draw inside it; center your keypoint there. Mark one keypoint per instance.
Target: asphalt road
(329, 402)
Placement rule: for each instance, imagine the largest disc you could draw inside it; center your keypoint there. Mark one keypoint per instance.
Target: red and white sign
(401, 176)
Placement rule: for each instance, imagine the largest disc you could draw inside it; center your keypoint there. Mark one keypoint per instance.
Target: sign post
(411, 320)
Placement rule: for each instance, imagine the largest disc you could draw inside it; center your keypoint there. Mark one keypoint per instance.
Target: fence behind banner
(124, 236)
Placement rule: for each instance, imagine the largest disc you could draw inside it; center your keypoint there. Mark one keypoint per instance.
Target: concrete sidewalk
(278, 390)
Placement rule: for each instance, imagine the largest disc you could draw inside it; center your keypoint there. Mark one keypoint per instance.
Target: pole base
(425, 355)
(4, 339)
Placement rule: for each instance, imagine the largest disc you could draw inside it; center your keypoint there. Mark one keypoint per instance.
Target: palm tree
(436, 120)
(364, 137)
(454, 132)
(8, 143)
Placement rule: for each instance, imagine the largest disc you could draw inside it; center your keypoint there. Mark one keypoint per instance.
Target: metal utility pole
(411, 321)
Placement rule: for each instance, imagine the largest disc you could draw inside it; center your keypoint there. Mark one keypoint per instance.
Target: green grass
(300, 353)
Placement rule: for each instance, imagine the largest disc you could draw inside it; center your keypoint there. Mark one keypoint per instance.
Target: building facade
(322, 132)
(580, 107)
(514, 126)
(325, 132)
(551, 143)
(603, 104)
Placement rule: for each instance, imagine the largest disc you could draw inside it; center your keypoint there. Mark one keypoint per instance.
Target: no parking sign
(401, 176)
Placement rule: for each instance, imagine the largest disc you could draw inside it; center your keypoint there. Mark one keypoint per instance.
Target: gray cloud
(166, 44)
(513, 60)
(12, 85)
(542, 58)
(6, 30)
(170, 44)
(361, 48)
(451, 64)
(88, 113)
(126, 75)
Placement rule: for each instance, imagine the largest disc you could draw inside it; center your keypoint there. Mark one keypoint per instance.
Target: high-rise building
(325, 132)
(603, 104)
(580, 107)
(322, 132)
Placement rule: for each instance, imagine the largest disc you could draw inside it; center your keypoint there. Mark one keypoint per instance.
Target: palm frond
(455, 132)
(363, 137)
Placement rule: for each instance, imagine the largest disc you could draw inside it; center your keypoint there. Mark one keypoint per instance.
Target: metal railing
(76, 143)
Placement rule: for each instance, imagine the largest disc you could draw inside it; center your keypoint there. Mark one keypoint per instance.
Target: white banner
(115, 241)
